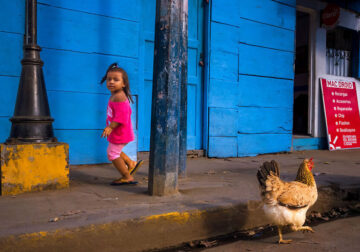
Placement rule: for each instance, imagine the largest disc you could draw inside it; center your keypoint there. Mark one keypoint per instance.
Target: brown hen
(286, 203)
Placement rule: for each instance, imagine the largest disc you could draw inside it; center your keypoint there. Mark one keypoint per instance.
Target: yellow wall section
(34, 167)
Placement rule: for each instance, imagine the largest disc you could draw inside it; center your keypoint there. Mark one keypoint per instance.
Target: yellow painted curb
(174, 216)
(144, 233)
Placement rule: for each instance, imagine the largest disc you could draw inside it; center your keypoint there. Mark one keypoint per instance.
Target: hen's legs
(281, 241)
(303, 228)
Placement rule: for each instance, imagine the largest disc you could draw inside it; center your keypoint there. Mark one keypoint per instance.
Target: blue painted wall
(79, 39)
(309, 143)
(246, 103)
(250, 93)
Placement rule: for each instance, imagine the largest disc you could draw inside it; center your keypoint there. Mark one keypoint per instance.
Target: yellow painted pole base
(33, 167)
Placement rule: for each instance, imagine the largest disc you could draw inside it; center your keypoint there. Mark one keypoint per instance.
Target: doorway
(302, 75)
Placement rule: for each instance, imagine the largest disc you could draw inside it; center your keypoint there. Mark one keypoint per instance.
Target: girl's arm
(108, 129)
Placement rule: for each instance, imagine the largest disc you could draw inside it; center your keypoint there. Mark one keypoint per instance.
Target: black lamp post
(31, 121)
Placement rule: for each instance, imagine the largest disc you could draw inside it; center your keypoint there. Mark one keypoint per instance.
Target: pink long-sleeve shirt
(120, 112)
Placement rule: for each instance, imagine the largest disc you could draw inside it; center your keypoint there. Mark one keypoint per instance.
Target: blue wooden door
(195, 88)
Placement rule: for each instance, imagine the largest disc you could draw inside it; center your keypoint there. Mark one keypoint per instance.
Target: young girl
(119, 130)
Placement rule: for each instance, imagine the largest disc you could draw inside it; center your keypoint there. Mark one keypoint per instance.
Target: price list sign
(342, 113)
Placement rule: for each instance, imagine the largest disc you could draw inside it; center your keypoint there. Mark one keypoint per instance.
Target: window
(339, 51)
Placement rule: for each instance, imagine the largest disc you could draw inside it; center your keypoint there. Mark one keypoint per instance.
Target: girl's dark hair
(115, 68)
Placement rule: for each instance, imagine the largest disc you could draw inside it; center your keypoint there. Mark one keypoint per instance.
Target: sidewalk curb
(164, 230)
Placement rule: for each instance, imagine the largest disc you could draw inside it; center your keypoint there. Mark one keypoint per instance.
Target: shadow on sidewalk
(102, 175)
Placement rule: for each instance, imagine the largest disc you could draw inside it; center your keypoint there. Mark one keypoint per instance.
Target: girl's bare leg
(120, 165)
(130, 163)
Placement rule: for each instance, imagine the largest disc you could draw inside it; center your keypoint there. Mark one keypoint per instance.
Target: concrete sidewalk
(218, 196)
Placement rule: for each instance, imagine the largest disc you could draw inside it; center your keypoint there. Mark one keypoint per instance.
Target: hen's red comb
(311, 163)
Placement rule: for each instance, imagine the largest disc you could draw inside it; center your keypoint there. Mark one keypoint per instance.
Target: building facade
(253, 70)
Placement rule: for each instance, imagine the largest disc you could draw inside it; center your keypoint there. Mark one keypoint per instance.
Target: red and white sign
(330, 16)
(342, 113)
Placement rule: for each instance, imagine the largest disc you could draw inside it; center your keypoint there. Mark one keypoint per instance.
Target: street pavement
(218, 196)
(341, 235)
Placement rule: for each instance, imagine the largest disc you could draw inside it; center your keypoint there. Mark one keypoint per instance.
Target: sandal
(137, 166)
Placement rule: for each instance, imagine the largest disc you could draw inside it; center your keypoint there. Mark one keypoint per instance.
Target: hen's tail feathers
(265, 170)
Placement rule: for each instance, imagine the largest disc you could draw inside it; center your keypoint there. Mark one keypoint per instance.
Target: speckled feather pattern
(286, 203)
